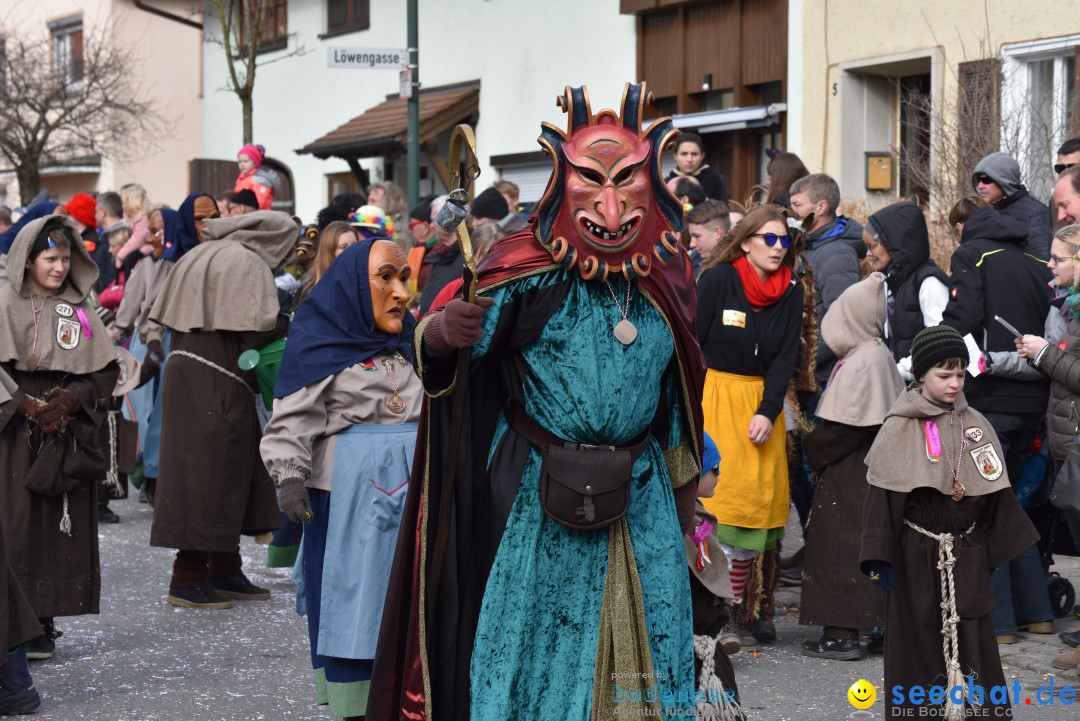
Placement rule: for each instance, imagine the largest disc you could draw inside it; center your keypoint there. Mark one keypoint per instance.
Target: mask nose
(609, 209)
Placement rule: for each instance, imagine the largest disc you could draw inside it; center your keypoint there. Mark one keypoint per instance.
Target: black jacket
(992, 274)
(445, 267)
(751, 343)
(901, 228)
(1034, 215)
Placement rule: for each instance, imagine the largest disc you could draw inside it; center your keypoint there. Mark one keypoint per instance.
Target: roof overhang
(383, 129)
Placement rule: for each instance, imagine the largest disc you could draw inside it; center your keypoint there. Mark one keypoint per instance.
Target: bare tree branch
(47, 119)
(242, 23)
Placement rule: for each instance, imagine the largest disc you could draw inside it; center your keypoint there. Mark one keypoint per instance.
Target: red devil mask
(606, 208)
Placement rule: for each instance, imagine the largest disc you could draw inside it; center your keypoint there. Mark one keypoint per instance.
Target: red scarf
(758, 293)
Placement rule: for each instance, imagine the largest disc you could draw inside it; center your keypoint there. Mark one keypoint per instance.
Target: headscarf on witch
(335, 325)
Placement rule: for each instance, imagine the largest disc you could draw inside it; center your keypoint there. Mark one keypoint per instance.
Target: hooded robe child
(863, 385)
(218, 301)
(48, 493)
(911, 496)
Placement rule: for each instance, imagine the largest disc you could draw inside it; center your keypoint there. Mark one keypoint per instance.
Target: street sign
(367, 58)
(406, 84)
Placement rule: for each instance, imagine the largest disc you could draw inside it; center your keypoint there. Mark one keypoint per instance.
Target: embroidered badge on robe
(735, 317)
(987, 462)
(67, 333)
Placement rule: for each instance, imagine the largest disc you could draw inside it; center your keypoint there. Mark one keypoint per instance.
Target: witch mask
(606, 208)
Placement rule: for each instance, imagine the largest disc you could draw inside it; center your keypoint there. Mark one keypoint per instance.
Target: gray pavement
(143, 660)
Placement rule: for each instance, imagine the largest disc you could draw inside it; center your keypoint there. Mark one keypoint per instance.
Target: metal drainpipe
(170, 16)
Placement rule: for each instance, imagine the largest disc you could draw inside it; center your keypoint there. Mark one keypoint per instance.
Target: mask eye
(591, 176)
(623, 176)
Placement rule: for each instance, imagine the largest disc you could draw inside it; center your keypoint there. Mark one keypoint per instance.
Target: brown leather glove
(292, 498)
(59, 405)
(457, 326)
(148, 370)
(155, 352)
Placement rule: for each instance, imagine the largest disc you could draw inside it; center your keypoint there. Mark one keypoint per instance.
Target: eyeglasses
(771, 238)
(1058, 260)
(983, 180)
(1060, 168)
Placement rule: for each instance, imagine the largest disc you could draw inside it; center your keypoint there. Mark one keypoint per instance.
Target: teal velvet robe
(536, 637)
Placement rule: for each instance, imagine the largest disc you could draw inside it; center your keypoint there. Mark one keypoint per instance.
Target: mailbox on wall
(879, 175)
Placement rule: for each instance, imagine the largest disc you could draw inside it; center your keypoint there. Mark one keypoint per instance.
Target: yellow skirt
(753, 488)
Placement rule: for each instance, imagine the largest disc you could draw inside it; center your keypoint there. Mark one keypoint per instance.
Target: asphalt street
(144, 660)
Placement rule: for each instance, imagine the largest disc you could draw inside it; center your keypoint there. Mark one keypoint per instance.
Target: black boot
(44, 646)
(17, 692)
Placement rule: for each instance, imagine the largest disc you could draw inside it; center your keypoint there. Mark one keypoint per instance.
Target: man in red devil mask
(564, 591)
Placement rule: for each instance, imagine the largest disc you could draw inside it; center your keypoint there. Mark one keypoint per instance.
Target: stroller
(1033, 491)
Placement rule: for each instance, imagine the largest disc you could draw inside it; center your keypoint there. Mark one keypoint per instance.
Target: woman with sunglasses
(749, 324)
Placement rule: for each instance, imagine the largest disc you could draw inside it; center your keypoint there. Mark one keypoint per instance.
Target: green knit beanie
(936, 344)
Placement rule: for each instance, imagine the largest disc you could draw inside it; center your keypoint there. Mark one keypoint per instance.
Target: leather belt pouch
(585, 487)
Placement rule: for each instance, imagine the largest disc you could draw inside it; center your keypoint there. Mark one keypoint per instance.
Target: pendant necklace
(395, 402)
(625, 332)
(32, 361)
(958, 489)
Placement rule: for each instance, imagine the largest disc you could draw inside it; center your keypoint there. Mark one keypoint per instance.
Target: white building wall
(522, 52)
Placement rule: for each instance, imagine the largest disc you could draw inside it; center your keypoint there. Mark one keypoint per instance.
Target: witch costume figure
(564, 592)
(339, 447)
(58, 353)
(219, 301)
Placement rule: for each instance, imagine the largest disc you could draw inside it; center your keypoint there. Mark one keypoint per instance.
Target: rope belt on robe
(949, 616)
(213, 365)
(112, 476)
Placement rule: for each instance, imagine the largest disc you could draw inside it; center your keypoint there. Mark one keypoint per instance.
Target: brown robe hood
(228, 286)
(90, 348)
(898, 459)
(864, 383)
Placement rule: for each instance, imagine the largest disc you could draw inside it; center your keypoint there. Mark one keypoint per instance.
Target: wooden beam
(439, 164)
(359, 173)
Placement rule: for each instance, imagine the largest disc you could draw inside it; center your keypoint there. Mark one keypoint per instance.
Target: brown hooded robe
(219, 301)
(59, 573)
(860, 392)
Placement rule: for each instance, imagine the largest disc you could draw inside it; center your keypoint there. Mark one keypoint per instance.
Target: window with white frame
(67, 48)
(1039, 106)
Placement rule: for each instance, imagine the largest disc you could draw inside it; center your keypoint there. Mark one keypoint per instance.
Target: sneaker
(764, 631)
(848, 649)
(107, 515)
(730, 642)
(201, 595)
(1068, 660)
(790, 577)
(1073, 639)
(1006, 638)
(1037, 627)
(17, 692)
(239, 587)
(876, 645)
(41, 648)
